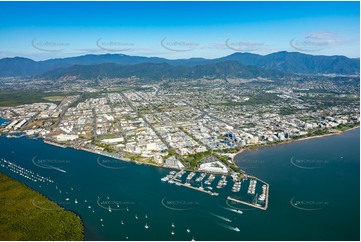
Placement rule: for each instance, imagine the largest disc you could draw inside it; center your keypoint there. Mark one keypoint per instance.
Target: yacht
(237, 211)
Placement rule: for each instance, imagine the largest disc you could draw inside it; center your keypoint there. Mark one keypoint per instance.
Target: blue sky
(43, 30)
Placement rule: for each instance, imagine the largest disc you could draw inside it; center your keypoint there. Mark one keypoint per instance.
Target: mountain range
(246, 65)
(158, 71)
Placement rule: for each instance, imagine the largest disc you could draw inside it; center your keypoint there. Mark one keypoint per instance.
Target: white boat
(146, 226)
(109, 209)
(122, 222)
(101, 219)
(67, 199)
(237, 211)
(188, 231)
(164, 179)
(146, 216)
(173, 225)
(136, 217)
(172, 232)
(76, 201)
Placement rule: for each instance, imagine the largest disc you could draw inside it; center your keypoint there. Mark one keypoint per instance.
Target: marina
(174, 177)
(260, 201)
(188, 208)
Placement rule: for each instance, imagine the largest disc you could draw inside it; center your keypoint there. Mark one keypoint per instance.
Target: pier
(254, 205)
(201, 189)
(55, 144)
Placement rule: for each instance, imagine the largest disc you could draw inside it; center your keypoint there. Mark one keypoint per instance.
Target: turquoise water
(3, 121)
(313, 196)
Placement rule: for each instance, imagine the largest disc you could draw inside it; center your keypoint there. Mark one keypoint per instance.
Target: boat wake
(233, 210)
(47, 166)
(221, 217)
(230, 227)
(56, 168)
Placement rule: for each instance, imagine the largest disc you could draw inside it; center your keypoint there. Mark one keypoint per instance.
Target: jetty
(179, 183)
(251, 204)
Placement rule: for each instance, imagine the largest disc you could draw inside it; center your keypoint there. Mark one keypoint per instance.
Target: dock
(178, 182)
(54, 143)
(254, 205)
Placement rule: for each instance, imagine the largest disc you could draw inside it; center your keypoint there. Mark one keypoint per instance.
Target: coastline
(291, 141)
(231, 155)
(22, 185)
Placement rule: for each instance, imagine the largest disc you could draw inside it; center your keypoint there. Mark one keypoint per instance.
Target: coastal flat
(28, 215)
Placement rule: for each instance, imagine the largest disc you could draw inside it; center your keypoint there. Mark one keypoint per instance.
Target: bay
(314, 193)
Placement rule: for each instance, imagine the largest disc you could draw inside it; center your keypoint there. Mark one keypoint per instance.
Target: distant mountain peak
(289, 62)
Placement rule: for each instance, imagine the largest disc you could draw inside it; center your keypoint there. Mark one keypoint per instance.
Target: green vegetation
(85, 96)
(9, 99)
(344, 127)
(225, 160)
(193, 160)
(234, 149)
(107, 148)
(263, 98)
(307, 119)
(22, 216)
(228, 103)
(288, 111)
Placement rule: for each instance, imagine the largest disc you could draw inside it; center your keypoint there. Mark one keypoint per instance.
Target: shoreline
(231, 155)
(26, 186)
(292, 140)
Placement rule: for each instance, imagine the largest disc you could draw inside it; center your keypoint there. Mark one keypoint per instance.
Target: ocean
(314, 193)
